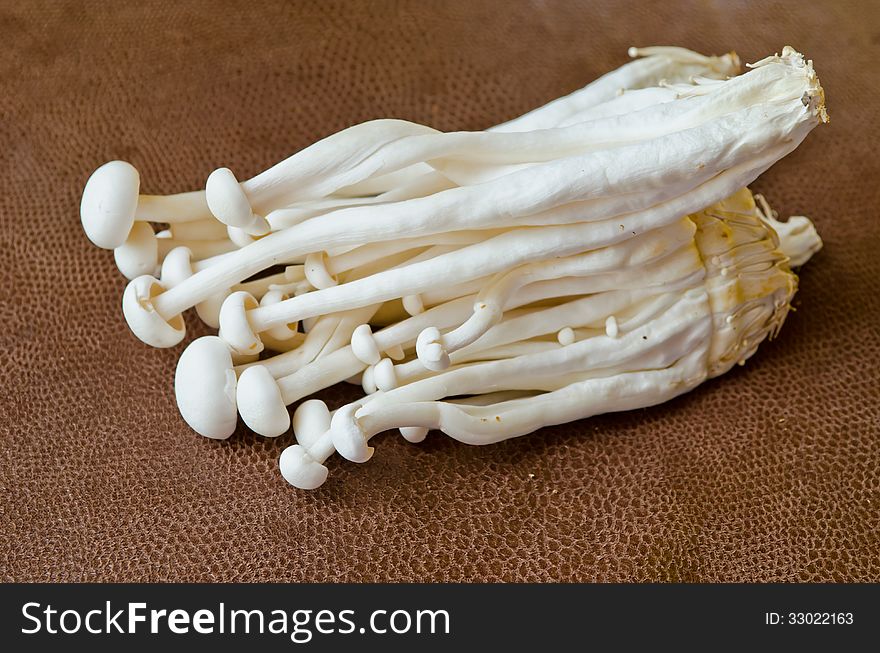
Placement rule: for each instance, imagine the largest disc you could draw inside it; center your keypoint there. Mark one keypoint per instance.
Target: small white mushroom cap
(229, 204)
(384, 375)
(301, 470)
(260, 404)
(234, 326)
(311, 419)
(348, 437)
(176, 266)
(109, 202)
(139, 254)
(205, 387)
(209, 309)
(363, 345)
(566, 336)
(430, 350)
(414, 434)
(368, 380)
(315, 268)
(413, 304)
(143, 319)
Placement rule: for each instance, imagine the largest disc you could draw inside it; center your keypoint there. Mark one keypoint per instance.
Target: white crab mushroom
(316, 271)
(205, 388)
(139, 254)
(297, 373)
(495, 254)
(481, 425)
(301, 464)
(348, 436)
(234, 327)
(364, 346)
(111, 203)
(311, 419)
(260, 401)
(673, 64)
(144, 251)
(281, 331)
(228, 202)
(144, 320)
(266, 417)
(178, 265)
(384, 374)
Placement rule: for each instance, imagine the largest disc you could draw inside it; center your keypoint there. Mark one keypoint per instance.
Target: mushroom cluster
(600, 253)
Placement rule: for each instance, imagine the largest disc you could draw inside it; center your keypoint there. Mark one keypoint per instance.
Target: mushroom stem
(111, 204)
(210, 229)
(658, 63)
(480, 425)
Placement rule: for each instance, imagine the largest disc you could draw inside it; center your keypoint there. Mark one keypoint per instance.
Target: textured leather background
(769, 473)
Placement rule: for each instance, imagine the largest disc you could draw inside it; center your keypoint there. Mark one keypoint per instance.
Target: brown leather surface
(770, 473)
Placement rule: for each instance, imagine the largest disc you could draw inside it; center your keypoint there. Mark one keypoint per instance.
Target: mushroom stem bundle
(600, 253)
(665, 341)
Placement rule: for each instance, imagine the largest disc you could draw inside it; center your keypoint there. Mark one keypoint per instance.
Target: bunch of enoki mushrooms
(600, 253)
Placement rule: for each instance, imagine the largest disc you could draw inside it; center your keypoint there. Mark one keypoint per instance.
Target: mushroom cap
(349, 439)
(227, 200)
(139, 254)
(363, 345)
(260, 403)
(431, 351)
(109, 202)
(311, 419)
(385, 375)
(143, 319)
(301, 470)
(209, 309)
(315, 268)
(414, 434)
(230, 205)
(368, 380)
(176, 267)
(204, 385)
(234, 326)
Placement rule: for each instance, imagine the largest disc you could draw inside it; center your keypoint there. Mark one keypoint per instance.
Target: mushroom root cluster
(600, 253)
